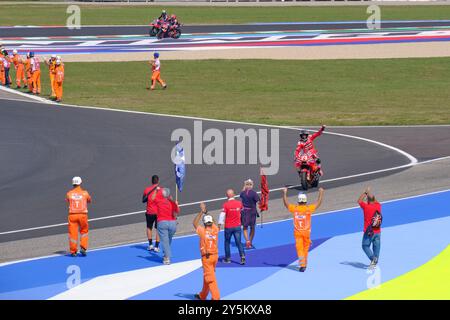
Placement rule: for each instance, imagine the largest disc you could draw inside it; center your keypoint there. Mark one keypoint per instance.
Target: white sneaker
(156, 249)
(150, 247)
(166, 261)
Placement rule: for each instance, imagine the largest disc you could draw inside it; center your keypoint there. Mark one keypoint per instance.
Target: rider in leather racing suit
(164, 16)
(306, 145)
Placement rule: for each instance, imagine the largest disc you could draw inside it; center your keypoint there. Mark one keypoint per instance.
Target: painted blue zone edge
(46, 277)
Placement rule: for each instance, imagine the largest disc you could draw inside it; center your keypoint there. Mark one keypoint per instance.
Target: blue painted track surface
(414, 231)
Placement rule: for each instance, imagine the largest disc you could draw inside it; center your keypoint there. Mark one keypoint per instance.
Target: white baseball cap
(302, 198)
(76, 181)
(58, 57)
(53, 56)
(207, 219)
(15, 51)
(58, 62)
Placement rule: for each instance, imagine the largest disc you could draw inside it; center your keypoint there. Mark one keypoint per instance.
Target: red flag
(264, 203)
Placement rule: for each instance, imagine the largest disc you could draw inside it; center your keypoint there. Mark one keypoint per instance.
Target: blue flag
(180, 168)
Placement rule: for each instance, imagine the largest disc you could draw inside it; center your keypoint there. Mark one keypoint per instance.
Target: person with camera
(372, 226)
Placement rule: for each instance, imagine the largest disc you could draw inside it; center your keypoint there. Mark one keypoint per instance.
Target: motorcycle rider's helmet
(173, 17)
(303, 135)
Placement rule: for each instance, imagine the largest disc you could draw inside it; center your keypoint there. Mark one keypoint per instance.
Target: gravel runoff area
(420, 179)
(362, 51)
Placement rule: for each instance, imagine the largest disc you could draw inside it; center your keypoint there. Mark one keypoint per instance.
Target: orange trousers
(58, 90)
(52, 84)
(78, 222)
(36, 78)
(20, 75)
(302, 244)
(156, 76)
(29, 81)
(209, 278)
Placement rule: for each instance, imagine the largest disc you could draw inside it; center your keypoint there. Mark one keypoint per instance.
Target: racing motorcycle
(308, 178)
(175, 31)
(169, 31)
(155, 27)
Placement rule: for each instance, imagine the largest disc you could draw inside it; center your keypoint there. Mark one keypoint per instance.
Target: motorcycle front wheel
(304, 180)
(153, 32)
(176, 34)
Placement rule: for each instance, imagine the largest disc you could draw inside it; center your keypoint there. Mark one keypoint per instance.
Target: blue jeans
(236, 233)
(166, 230)
(375, 241)
(7, 83)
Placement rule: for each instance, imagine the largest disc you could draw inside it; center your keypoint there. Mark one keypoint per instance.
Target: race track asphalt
(43, 146)
(141, 30)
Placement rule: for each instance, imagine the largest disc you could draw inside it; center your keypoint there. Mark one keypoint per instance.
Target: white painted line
(223, 198)
(28, 95)
(412, 159)
(385, 126)
(123, 285)
(194, 235)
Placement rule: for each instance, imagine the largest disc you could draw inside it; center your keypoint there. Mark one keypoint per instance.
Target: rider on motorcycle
(164, 16)
(306, 145)
(173, 20)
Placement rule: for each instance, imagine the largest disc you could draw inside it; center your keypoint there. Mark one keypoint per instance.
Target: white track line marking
(123, 285)
(223, 198)
(194, 235)
(412, 159)
(28, 95)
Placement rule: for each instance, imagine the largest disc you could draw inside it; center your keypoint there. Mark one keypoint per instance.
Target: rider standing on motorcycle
(306, 145)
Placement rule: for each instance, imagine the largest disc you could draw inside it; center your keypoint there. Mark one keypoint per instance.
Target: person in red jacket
(306, 146)
(372, 236)
(149, 197)
(167, 221)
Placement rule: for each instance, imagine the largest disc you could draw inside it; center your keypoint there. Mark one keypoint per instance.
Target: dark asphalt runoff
(43, 146)
(141, 30)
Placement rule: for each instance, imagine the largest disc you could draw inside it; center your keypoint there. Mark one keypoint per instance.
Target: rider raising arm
(306, 141)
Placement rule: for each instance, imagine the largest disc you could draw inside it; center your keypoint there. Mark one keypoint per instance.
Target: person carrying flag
(302, 213)
(209, 237)
(180, 168)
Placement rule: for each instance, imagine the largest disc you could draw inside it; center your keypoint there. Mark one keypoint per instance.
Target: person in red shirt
(167, 212)
(372, 236)
(231, 218)
(209, 238)
(149, 197)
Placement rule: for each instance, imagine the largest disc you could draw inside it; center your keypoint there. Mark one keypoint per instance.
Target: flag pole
(176, 192)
